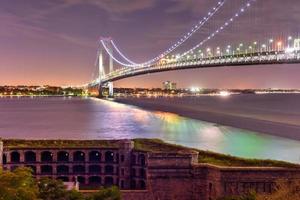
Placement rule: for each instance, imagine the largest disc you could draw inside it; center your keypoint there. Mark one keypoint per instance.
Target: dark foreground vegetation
(21, 185)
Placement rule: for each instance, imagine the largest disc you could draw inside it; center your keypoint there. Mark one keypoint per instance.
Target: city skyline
(55, 43)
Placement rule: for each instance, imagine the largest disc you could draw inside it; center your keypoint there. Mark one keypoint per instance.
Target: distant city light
(224, 93)
(195, 89)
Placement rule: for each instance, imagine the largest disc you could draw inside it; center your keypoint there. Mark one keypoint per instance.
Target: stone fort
(140, 174)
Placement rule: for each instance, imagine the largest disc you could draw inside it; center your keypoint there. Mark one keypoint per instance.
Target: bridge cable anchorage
(221, 28)
(179, 42)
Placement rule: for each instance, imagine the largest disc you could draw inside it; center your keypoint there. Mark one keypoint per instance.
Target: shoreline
(275, 128)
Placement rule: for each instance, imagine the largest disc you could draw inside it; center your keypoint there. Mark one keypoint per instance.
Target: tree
(285, 189)
(112, 193)
(18, 185)
(51, 189)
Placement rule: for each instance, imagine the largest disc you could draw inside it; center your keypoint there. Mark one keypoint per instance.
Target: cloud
(15, 27)
(116, 6)
(192, 6)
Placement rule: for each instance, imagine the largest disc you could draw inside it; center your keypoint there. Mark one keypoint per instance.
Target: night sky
(55, 41)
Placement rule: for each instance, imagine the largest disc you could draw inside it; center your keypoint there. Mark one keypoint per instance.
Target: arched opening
(94, 169)
(133, 159)
(63, 178)
(46, 156)
(30, 156)
(109, 156)
(142, 159)
(63, 156)
(117, 158)
(132, 184)
(142, 184)
(95, 180)
(108, 181)
(79, 169)
(46, 169)
(109, 169)
(79, 156)
(33, 168)
(4, 159)
(81, 179)
(122, 184)
(142, 173)
(62, 169)
(133, 172)
(15, 157)
(94, 156)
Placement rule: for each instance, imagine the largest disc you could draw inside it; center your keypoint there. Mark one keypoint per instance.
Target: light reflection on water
(75, 118)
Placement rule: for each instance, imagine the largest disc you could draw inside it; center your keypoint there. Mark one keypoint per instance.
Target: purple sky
(55, 41)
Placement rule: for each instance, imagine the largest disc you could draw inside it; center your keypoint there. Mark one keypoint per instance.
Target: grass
(157, 145)
(15, 143)
(228, 160)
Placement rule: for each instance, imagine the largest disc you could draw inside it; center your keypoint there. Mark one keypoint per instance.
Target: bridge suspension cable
(221, 28)
(178, 43)
(121, 54)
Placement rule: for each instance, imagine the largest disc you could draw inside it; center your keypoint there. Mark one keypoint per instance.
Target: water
(87, 118)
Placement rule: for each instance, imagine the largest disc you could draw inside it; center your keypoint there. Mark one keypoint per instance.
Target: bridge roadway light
(279, 45)
(263, 47)
(271, 43)
(289, 40)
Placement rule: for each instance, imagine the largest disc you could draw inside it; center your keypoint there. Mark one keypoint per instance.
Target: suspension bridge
(284, 50)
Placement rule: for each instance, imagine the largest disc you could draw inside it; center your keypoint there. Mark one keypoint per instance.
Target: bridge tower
(111, 69)
(102, 73)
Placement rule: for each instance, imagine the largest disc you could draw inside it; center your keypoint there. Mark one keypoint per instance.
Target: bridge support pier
(100, 90)
(110, 89)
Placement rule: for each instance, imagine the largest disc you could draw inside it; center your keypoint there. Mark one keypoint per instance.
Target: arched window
(122, 184)
(122, 158)
(108, 181)
(62, 169)
(142, 184)
(94, 169)
(95, 180)
(15, 157)
(81, 179)
(79, 169)
(63, 156)
(79, 156)
(142, 173)
(132, 184)
(142, 159)
(46, 156)
(109, 169)
(109, 156)
(133, 159)
(133, 172)
(94, 156)
(30, 156)
(117, 158)
(46, 169)
(4, 159)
